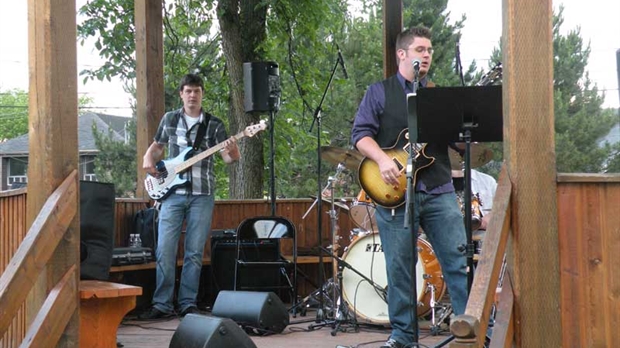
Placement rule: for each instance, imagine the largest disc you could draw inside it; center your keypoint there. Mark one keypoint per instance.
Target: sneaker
(190, 310)
(392, 343)
(153, 313)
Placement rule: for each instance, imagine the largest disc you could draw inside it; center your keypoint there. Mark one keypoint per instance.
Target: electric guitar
(173, 172)
(392, 196)
(369, 175)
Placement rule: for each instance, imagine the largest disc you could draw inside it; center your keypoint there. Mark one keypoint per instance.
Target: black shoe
(190, 310)
(153, 313)
(392, 343)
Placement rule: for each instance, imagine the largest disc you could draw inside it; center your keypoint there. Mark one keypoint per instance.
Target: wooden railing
(470, 329)
(30, 259)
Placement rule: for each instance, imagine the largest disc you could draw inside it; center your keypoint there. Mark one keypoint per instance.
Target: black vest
(394, 120)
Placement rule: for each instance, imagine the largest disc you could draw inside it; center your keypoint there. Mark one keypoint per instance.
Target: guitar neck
(199, 157)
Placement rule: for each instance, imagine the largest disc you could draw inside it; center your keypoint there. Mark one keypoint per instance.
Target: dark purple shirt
(366, 123)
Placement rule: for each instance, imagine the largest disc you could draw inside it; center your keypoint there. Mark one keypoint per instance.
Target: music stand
(461, 114)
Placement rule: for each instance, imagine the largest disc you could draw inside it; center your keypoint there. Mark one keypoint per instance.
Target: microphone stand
(320, 315)
(409, 221)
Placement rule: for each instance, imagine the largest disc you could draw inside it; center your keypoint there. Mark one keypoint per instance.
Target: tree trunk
(239, 46)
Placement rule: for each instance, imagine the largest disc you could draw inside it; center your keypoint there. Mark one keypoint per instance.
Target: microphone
(341, 61)
(416, 65)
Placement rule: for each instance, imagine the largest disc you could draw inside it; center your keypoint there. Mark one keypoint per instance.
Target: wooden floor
(142, 334)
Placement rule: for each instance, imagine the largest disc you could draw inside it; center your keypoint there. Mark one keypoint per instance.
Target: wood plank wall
(589, 228)
(12, 232)
(228, 214)
(588, 221)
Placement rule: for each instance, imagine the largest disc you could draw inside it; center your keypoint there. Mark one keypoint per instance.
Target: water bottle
(138, 241)
(132, 240)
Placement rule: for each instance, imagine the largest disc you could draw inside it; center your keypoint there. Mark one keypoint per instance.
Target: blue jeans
(197, 211)
(442, 221)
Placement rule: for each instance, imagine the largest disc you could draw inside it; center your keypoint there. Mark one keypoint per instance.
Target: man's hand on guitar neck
(388, 169)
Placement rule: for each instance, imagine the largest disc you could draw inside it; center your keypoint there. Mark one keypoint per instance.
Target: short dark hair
(191, 80)
(406, 37)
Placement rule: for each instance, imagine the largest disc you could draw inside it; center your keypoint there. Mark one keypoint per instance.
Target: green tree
(114, 158)
(580, 119)
(302, 36)
(13, 114)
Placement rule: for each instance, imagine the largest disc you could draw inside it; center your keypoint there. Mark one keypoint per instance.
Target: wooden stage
(143, 334)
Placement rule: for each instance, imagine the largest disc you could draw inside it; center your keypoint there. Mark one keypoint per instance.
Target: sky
(598, 20)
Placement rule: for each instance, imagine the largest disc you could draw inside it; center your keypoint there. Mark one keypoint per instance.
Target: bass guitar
(392, 196)
(173, 172)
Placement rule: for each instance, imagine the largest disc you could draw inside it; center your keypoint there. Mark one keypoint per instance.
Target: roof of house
(86, 140)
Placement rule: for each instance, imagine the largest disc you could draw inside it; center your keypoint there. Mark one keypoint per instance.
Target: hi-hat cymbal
(479, 155)
(351, 159)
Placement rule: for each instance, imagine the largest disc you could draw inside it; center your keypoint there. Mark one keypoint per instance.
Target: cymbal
(479, 155)
(351, 159)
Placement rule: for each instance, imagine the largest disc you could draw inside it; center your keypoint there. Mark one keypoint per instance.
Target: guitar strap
(200, 134)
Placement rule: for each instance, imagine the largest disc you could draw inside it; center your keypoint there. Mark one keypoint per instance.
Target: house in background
(14, 152)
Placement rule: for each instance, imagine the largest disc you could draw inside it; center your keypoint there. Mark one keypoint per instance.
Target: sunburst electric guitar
(392, 196)
(174, 172)
(386, 195)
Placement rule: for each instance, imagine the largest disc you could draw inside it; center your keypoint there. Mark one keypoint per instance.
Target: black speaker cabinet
(261, 83)
(223, 258)
(263, 311)
(96, 229)
(199, 331)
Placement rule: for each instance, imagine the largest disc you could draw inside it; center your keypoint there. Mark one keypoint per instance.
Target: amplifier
(223, 260)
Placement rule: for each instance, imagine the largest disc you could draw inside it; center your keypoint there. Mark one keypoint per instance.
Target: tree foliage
(13, 114)
(116, 160)
(303, 37)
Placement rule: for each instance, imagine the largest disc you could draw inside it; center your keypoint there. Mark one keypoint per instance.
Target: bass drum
(365, 255)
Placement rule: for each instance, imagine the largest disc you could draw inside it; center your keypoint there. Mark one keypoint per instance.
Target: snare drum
(365, 255)
(362, 213)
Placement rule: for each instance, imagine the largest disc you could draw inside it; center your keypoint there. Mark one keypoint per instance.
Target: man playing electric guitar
(381, 117)
(188, 127)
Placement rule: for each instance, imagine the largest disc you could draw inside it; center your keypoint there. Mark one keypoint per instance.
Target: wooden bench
(102, 307)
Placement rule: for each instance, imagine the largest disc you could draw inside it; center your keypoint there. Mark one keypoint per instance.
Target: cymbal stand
(326, 306)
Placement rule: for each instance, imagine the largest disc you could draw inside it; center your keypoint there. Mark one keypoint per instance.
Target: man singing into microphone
(381, 116)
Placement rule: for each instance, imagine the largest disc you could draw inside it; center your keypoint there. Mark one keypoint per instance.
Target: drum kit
(358, 290)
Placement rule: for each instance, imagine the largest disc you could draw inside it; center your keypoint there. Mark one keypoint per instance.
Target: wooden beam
(392, 26)
(149, 79)
(53, 141)
(55, 313)
(36, 249)
(529, 152)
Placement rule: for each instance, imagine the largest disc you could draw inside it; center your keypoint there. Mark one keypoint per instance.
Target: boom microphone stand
(320, 315)
(410, 194)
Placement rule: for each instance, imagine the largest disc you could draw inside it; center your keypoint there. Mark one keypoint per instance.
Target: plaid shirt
(173, 132)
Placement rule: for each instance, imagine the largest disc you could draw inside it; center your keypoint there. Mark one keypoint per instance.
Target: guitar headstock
(252, 130)
(491, 76)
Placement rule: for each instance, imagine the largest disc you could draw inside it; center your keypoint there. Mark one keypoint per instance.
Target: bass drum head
(365, 255)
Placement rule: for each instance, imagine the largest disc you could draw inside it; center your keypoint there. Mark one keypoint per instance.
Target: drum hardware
(340, 315)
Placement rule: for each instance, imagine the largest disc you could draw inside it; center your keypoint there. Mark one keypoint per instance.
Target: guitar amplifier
(131, 256)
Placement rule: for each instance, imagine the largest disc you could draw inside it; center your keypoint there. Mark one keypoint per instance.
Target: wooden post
(53, 141)
(149, 79)
(529, 152)
(392, 26)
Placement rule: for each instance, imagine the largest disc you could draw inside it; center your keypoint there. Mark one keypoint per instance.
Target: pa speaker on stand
(261, 82)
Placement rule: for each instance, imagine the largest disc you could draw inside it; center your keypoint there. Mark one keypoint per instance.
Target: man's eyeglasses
(422, 49)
